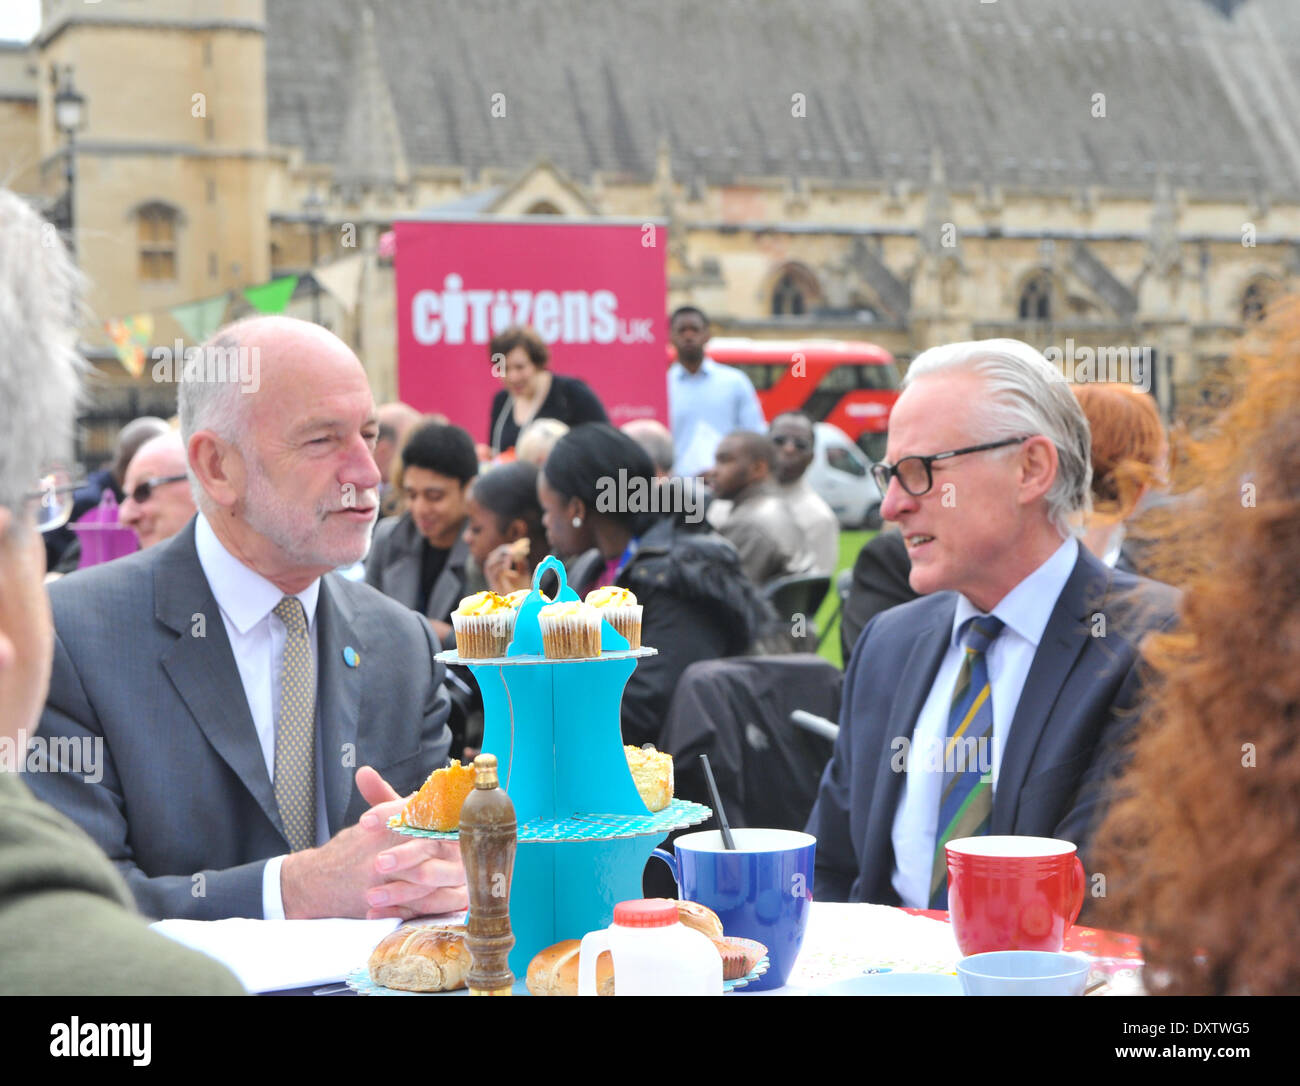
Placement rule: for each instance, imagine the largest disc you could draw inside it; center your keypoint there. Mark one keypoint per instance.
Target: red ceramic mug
(1012, 893)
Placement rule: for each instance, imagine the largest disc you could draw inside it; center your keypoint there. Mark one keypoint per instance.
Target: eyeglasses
(913, 472)
(52, 500)
(800, 443)
(144, 491)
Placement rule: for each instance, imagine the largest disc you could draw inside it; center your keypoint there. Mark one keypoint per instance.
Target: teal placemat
(679, 814)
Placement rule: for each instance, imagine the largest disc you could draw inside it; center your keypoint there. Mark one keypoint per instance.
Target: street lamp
(70, 117)
(314, 207)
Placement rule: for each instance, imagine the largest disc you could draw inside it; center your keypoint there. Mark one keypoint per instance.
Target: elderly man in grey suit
(243, 692)
(999, 702)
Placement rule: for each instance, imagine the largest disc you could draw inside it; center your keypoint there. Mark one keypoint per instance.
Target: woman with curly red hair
(1201, 848)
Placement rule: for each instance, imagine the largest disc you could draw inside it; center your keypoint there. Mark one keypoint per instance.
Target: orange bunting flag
(131, 338)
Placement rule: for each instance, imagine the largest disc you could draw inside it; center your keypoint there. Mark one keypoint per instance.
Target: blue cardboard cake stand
(554, 726)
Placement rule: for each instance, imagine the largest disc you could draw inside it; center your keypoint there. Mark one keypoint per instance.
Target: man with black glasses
(998, 703)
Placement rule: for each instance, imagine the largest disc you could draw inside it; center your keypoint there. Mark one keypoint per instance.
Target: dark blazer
(142, 664)
(570, 401)
(393, 567)
(1067, 736)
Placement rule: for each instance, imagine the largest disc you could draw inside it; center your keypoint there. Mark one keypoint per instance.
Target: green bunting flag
(272, 297)
(200, 319)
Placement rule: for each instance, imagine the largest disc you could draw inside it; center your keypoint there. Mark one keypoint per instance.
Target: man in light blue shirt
(706, 400)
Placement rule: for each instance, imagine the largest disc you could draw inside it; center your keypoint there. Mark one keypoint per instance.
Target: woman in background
(532, 391)
(1130, 452)
(697, 602)
(1199, 848)
(504, 529)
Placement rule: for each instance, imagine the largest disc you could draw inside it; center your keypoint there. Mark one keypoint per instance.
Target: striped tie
(967, 801)
(295, 726)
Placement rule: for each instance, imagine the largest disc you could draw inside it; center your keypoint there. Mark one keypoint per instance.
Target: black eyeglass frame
(882, 472)
(150, 485)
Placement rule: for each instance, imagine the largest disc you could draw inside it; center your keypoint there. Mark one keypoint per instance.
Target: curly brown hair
(1200, 848)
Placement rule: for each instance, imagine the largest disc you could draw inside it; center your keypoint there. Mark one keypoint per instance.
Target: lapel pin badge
(351, 657)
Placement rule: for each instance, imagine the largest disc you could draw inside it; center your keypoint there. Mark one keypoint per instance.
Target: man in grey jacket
(240, 690)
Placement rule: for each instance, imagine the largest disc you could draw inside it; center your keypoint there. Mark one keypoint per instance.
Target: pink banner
(594, 292)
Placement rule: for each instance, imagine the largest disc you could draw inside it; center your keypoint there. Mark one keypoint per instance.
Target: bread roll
(700, 917)
(554, 971)
(421, 959)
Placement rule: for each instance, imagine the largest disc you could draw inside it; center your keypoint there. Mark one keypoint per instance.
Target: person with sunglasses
(998, 702)
(792, 434)
(158, 500)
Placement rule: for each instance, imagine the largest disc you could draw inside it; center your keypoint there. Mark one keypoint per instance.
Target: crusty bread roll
(554, 971)
(421, 959)
(700, 917)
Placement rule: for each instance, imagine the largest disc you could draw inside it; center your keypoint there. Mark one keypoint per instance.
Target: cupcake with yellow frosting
(619, 608)
(516, 599)
(484, 623)
(570, 630)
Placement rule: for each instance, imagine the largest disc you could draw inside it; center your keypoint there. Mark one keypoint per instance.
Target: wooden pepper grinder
(487, 848)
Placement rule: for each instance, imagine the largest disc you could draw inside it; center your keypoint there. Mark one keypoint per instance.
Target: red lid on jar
(654, 912)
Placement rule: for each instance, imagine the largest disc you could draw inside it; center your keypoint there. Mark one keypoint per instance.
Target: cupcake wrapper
(573, 637)
(627, 621)
(483, 637)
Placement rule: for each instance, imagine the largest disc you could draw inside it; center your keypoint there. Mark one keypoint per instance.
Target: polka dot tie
(295, 728)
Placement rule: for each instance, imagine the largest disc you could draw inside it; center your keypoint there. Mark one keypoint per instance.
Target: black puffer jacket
(697, 605)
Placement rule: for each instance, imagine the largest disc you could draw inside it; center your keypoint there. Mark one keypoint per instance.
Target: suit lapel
(338, 693)
(915, 680)
(1064, 639)
(202, 667)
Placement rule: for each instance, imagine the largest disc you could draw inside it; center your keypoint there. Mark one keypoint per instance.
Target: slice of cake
(652, 773)
(436, 806)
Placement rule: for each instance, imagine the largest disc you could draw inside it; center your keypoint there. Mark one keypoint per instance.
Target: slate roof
(1205, 92)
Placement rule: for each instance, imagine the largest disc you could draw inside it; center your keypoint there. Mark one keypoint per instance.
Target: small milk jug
(654, 954)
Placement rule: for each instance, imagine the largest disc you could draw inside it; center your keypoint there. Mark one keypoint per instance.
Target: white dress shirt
(1025, 611)
(246, 600)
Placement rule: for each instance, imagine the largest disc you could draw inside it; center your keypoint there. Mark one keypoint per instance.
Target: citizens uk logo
(456, 315)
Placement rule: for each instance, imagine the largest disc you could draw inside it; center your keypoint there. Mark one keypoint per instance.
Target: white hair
(216, 405)
(40, 370)
(1024, 395)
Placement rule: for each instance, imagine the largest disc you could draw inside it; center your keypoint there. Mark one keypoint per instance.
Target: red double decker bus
(852, 385)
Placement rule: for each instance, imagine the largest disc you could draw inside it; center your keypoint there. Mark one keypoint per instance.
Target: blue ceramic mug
(760, 891)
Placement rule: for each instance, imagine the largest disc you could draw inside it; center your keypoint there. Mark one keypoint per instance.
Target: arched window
(796, 292)
(1254, 302)
(543, 207)
(156, 232)
(1036, 298)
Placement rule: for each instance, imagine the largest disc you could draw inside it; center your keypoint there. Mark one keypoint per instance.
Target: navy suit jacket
(143, 666)
(1067, 735)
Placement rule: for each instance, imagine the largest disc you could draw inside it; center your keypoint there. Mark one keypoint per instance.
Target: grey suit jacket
(144, 672)
(393, 567)
(1068, 735)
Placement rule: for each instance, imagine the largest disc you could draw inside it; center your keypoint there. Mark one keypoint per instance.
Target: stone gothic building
(903, 171)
